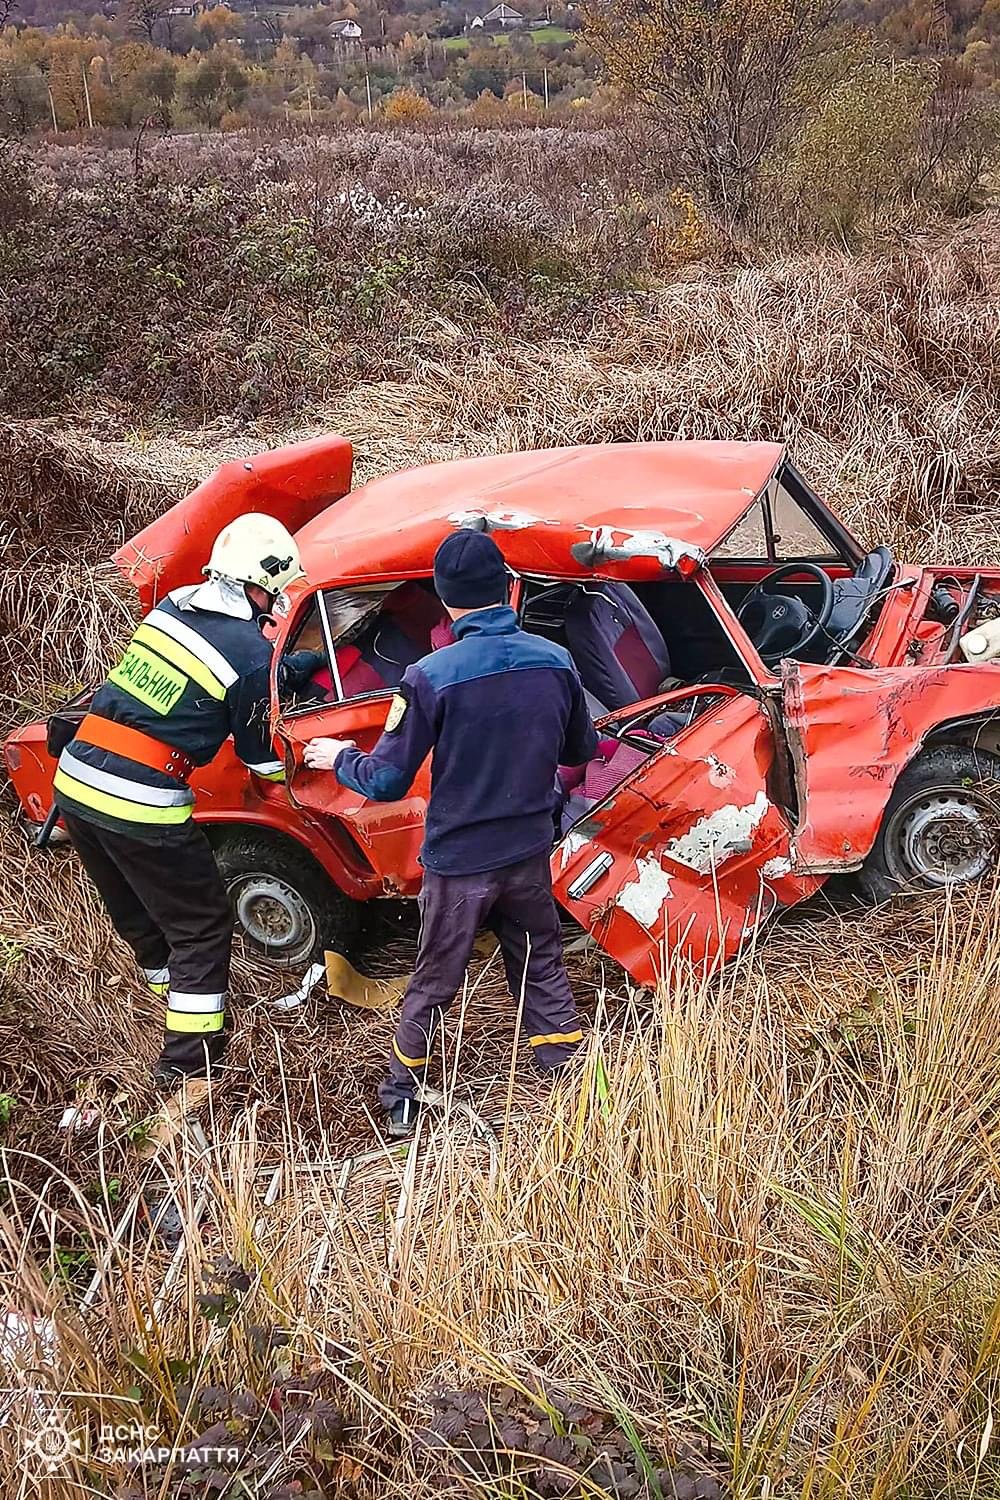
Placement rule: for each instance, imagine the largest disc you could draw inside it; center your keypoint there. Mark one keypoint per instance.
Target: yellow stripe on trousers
(555, 1038)
(408, 1062)
(182, 1020)
(118, 807)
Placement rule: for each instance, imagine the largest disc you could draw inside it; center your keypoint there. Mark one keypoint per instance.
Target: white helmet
(256, 549)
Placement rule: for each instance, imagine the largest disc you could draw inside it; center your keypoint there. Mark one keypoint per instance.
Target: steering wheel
(779, 624)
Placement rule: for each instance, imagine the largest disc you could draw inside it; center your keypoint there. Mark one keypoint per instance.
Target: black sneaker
(401, 1121)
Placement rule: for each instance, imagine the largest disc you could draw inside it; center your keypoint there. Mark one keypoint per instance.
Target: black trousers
(166, 898)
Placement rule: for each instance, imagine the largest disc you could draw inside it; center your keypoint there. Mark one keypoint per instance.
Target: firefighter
(195, 672)
(501, 710)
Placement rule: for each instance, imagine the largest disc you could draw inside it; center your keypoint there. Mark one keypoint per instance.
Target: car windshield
(777, 529)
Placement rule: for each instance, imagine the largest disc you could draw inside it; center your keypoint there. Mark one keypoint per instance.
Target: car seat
(617, 647)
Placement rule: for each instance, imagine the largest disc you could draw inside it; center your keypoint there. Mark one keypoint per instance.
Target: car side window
(790, 535)
(376, 633)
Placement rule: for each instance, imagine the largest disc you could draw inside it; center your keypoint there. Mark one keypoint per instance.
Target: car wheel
(941, 827)
(287, 908)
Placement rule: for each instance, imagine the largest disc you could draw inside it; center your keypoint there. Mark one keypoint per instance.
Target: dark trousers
(167, 900)
(517, 904)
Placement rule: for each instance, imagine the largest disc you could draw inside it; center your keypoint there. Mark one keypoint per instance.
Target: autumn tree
(148, 19)
(725, 77)
(210, 86)
(218, 24)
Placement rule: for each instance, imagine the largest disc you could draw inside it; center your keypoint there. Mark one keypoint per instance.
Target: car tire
(287, 908)
(941, 826)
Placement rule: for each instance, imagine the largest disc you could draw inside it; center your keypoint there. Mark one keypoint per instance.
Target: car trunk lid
(293, 484)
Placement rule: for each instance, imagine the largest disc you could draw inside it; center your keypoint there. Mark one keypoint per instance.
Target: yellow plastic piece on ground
(345, 983)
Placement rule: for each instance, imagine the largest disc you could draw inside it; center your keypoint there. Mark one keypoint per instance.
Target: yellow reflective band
(270, 775)
(148, 678)
(554, 1038)
(408, 1062)
(182, 1020)
(159, 987)
(181, 657)
(118, 807)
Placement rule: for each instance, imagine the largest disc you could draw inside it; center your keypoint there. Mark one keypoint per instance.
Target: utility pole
(524, 90)
(368, 90)
(309, 102)
(52, 106)
(545, 78)
(86, 94)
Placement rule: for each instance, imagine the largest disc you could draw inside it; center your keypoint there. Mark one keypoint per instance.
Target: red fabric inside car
(410, 623)
(356, 675)
(442, 635)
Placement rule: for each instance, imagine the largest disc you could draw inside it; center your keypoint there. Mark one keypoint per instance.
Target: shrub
(406, 107)
(852, 155)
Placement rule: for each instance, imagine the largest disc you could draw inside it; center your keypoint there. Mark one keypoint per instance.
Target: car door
(691, 853)
(387, 835)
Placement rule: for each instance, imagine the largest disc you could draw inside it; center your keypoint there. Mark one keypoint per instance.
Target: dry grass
(760, 1223)
(760, 1229)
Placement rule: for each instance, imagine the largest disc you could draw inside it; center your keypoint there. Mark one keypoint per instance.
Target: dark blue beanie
(469, 571)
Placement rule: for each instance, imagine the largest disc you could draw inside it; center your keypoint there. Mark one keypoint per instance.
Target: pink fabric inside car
(613, 762)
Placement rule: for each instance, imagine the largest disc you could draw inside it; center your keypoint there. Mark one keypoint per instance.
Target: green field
(544, 34)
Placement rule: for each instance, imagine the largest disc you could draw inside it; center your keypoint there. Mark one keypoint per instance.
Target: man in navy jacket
(500, 710)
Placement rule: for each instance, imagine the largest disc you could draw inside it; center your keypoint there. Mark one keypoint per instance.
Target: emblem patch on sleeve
(397, 711)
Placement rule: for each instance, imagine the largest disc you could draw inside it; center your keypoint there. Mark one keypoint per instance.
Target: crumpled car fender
(851, 733)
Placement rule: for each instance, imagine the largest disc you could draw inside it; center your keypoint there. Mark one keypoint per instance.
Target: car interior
(789, 572)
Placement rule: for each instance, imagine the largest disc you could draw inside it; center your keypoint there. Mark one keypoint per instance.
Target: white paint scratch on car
(497, 520)
(775, 868)
(571, 844)
(616, 544)
(643, 898)
(719, 835)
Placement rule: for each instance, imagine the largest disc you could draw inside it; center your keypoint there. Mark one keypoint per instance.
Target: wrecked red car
(777, 702)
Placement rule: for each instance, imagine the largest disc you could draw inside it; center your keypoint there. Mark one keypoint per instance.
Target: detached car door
(373, 634)
(689, 854)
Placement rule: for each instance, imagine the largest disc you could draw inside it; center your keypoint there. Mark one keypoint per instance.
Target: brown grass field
(753, 1249)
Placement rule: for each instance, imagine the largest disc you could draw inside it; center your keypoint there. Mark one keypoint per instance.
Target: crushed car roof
(562, 511)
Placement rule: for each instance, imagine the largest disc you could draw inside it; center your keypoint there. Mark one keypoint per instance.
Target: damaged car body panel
(852, 732)
(292, 484)
(701, 855)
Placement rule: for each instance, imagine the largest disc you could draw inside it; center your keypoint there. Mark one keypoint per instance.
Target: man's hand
(321, 755)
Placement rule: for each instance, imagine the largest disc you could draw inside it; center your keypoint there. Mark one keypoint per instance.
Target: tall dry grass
(758, 1230)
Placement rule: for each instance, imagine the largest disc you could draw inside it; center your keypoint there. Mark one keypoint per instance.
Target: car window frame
(848, 550)
(318, 597)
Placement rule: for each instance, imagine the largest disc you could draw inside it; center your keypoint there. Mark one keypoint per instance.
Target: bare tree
(144, 16)
(724, 77)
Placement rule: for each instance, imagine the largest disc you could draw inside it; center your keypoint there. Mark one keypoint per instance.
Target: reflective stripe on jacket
(190, 678)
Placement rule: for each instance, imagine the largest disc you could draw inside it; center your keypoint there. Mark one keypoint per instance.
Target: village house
(347, 30)
(502, 17)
